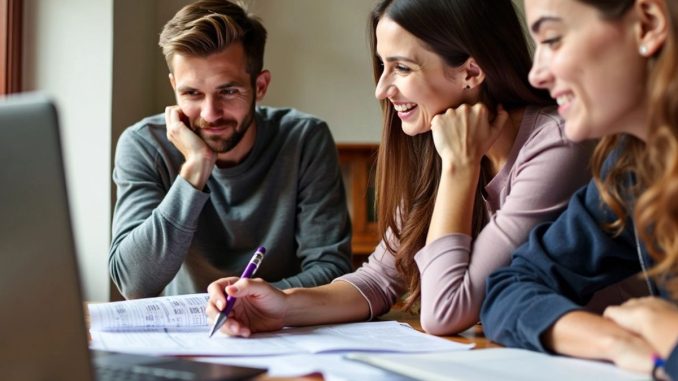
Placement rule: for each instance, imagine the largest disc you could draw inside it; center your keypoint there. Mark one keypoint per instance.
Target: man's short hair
(210, 26)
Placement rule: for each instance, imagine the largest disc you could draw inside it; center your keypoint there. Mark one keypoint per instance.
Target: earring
(467, 87)
(643, 50)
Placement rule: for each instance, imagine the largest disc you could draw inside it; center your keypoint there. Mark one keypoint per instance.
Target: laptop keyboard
(140, 373)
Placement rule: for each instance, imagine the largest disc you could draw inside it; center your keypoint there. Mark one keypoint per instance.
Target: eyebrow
(229, 84)
(399, 58)
(537, 24)
(220, 87)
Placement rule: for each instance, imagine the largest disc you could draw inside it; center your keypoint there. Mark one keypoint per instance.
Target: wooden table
(472, 335)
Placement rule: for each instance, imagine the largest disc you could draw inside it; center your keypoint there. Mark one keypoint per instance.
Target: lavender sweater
(542, 172)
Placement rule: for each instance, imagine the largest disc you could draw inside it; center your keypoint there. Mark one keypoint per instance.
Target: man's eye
(229, 91)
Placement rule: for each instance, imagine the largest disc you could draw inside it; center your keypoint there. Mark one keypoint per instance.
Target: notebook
(42, 329)
(495, 364)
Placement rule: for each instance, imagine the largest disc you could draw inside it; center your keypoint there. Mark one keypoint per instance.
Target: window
(10, 46)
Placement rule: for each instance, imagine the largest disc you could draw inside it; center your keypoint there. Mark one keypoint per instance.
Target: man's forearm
(148, 258)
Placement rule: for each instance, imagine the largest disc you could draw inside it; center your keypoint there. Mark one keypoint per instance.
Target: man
(200, 188)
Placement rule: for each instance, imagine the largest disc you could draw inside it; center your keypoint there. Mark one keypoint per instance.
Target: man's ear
(173, 82)
(652, 27)
(261, 84)
(473, 74)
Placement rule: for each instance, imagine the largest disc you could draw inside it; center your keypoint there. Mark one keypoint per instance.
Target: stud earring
(467, 87)
(643, 50)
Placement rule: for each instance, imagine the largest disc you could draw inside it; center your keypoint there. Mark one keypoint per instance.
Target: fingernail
(220, 304)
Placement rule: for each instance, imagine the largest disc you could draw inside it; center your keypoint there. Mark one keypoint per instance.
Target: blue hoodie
(558, 270)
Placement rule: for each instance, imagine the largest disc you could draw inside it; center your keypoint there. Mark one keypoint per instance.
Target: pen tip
(262, 250)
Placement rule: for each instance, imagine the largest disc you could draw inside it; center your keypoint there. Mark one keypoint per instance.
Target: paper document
(182, 312)
(333, 367)
(500, 364)
(387, 336)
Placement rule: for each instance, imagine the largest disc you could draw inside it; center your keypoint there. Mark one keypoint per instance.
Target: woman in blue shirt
(612, 67)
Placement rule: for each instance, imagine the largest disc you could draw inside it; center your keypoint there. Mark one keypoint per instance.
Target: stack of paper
(177, 325)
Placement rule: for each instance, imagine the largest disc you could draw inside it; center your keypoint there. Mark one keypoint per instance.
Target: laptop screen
(42, 328)
(41, 311)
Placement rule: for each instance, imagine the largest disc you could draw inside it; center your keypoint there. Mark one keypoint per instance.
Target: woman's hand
(464, 134)
(260, 307)
(652, 318)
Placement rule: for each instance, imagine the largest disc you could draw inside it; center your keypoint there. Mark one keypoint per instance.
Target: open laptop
(42, 329)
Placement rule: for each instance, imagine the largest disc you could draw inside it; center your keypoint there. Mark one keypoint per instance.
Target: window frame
(10, 46)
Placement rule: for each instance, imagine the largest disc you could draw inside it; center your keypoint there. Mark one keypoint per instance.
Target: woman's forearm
(336, 302)
(453, 210)
(586, 335)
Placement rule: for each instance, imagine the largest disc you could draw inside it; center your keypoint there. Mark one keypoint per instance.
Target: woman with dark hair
(471, 158)
(612, 66)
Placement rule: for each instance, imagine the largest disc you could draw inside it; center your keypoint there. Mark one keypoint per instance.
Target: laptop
(43, 335)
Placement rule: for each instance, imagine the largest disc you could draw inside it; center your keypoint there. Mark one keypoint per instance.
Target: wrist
(291, 304)
(461, 170)
(658, 363)
(196, 171)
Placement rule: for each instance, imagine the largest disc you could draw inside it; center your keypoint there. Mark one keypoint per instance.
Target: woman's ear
(652, 27)
(473, 74)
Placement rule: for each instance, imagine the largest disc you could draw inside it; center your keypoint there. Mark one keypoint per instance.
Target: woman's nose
(540, 75)
(384, 88)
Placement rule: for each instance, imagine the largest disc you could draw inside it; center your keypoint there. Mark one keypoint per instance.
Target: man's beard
(221, 145)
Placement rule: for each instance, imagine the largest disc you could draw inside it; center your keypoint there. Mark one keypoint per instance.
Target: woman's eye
(402, 69)
(551, 42)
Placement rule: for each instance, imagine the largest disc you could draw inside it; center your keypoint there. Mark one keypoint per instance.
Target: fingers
(217, 295)
(248, 287)
(175, 125)
(232, 327)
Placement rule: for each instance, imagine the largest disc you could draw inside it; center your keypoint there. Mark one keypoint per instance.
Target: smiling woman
(10, 46)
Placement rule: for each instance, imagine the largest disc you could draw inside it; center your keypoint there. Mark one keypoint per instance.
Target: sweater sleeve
(378, 281)
(323, 227)
(556, 271)
(151, 226)
(672, 364)
(454, 270)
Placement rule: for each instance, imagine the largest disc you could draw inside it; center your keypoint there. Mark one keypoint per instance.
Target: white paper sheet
(333, 367)
(387, 336)
(496, 364)
(181, 312)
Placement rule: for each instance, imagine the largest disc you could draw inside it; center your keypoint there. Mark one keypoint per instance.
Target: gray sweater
(287, 195)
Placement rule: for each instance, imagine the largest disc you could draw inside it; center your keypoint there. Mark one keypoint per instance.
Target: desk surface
(472, 335)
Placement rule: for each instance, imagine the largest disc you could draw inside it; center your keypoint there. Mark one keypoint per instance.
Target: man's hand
(200, 159)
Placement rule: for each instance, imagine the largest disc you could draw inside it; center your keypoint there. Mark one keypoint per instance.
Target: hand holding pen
(250, 269)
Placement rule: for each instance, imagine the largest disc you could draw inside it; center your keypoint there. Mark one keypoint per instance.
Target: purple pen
(250, 269)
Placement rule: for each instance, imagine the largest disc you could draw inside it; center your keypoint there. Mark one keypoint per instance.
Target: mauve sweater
(542, 171)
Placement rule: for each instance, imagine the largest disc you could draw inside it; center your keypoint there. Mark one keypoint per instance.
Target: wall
(67, 54)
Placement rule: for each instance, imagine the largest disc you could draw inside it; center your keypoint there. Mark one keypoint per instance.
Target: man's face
(216, 95)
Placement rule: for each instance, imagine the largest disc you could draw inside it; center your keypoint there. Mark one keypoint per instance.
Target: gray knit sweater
(287, 195)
